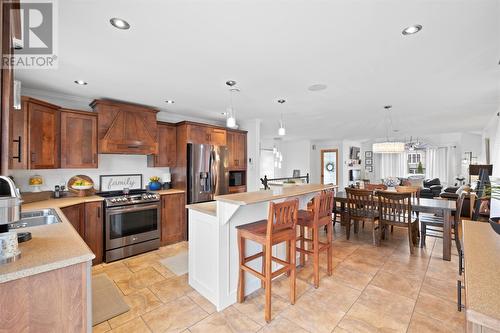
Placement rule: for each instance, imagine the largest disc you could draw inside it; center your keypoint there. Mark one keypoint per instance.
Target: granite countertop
(52, 247)
(482, 271)
(209, 208)
(247, 198)
(60, 203)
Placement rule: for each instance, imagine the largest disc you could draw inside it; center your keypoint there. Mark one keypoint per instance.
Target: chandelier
(388, 147)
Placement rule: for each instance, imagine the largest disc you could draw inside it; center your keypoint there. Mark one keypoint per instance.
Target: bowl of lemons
(82, 184)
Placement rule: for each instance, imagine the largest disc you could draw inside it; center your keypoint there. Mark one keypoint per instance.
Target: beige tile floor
(373, 289)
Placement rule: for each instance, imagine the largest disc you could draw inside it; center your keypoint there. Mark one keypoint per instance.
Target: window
(414, 158)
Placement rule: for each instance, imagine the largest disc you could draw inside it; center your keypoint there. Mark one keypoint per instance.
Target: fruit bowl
(81, 187)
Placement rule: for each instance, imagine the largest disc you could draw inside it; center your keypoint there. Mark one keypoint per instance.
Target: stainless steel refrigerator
(207, 173)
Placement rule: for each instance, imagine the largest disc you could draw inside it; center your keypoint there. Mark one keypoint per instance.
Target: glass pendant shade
(230, 121)
(388, 147)
(281, 131)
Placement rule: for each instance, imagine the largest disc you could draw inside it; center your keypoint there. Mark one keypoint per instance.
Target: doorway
(329, 166)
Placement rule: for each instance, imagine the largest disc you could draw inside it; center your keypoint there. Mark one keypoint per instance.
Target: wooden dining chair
(374, 187)
(278, 228)
(395, 210)
(415, 197)
(314, 220)
(361, 207)
(435, 223)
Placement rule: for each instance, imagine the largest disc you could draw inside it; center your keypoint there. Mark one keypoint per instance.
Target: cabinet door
(241, 150)
(43, 126)
(231, 147)
(75, 215)
(167, 147)
(18, 134)
(198, 134)
(78, 140)
(173, 218)
(94, 230)
(217, 137)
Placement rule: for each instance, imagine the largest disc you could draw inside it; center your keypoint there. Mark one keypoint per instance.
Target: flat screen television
(354, 175)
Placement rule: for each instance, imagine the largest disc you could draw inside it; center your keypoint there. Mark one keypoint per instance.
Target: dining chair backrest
(414, 190)
(394, 207)
(459, 206)
(282, 216)
(374, 187)
(360, 203)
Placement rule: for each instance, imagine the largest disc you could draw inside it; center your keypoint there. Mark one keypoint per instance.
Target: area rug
(177, 264)
(107, 301)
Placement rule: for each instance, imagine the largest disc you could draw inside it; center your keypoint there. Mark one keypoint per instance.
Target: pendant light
(388, 147)
(281, 129)
(231, 118)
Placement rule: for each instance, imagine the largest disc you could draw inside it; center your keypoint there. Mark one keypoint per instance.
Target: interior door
(329, 166)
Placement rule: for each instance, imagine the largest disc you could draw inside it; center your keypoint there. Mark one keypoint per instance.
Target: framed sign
(369, 162)
(368, 154)
(119, 182)
(369, 168)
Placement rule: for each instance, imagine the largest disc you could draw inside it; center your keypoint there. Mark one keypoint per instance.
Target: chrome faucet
(10, 201)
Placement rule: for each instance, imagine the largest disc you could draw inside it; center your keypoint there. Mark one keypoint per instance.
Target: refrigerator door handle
(213, 171)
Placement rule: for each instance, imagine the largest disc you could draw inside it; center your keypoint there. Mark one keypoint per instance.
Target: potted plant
(154, 183)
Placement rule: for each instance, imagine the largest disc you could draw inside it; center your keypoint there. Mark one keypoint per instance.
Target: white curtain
(441, 163)
(393, 165)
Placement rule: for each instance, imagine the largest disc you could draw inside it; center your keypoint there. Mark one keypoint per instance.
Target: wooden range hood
(126, 128)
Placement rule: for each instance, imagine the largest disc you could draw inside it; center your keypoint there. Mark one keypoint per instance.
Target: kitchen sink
(36, 218)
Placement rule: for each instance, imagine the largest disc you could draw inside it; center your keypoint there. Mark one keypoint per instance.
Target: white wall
(492, 131)
(296, 156)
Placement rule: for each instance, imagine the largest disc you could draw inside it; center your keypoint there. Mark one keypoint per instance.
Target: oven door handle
(134, 208)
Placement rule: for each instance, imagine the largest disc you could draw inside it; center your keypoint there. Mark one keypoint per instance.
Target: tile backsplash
(109, 164)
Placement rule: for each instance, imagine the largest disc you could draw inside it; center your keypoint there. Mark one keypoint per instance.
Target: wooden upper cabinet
(78, 139)
(217, 137)
(18, 136)
(206, 135)
(126, 128)
(167, 147)
(43, 134)
(237, 146)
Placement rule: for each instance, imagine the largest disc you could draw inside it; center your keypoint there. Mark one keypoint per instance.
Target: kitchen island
(213, 248)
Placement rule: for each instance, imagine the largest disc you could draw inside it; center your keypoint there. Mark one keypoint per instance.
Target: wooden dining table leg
(447, 235)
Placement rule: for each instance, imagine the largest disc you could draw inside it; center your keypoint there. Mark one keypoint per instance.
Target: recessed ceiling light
(317, 87)
(412, 29)
(81, 82)
(119, 23)
(231, 83)
(169, 101)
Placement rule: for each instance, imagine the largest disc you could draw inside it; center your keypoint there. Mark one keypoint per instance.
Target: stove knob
(113, 200)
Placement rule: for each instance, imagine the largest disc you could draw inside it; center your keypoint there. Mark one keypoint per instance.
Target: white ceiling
(443, 79)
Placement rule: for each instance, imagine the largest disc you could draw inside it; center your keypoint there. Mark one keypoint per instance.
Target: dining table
(441, 207)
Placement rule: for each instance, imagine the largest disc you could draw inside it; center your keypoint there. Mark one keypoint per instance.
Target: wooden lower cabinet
(237, 189)
(87, 219)
(76, 216)
(53, 301)
(173, 218)
(94, 230)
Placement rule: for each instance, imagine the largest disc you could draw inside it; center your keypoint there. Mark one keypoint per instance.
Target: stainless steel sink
(36, 218)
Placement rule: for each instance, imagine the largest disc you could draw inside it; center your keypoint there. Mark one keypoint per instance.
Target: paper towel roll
(165, 178)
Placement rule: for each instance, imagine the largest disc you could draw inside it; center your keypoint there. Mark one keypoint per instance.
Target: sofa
(431, 188)
(452, 193)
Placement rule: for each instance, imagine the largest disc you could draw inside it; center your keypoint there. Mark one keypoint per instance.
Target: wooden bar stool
(319, 216)
(278, 228)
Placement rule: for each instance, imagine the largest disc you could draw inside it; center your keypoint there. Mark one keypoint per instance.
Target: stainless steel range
(132, 223)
